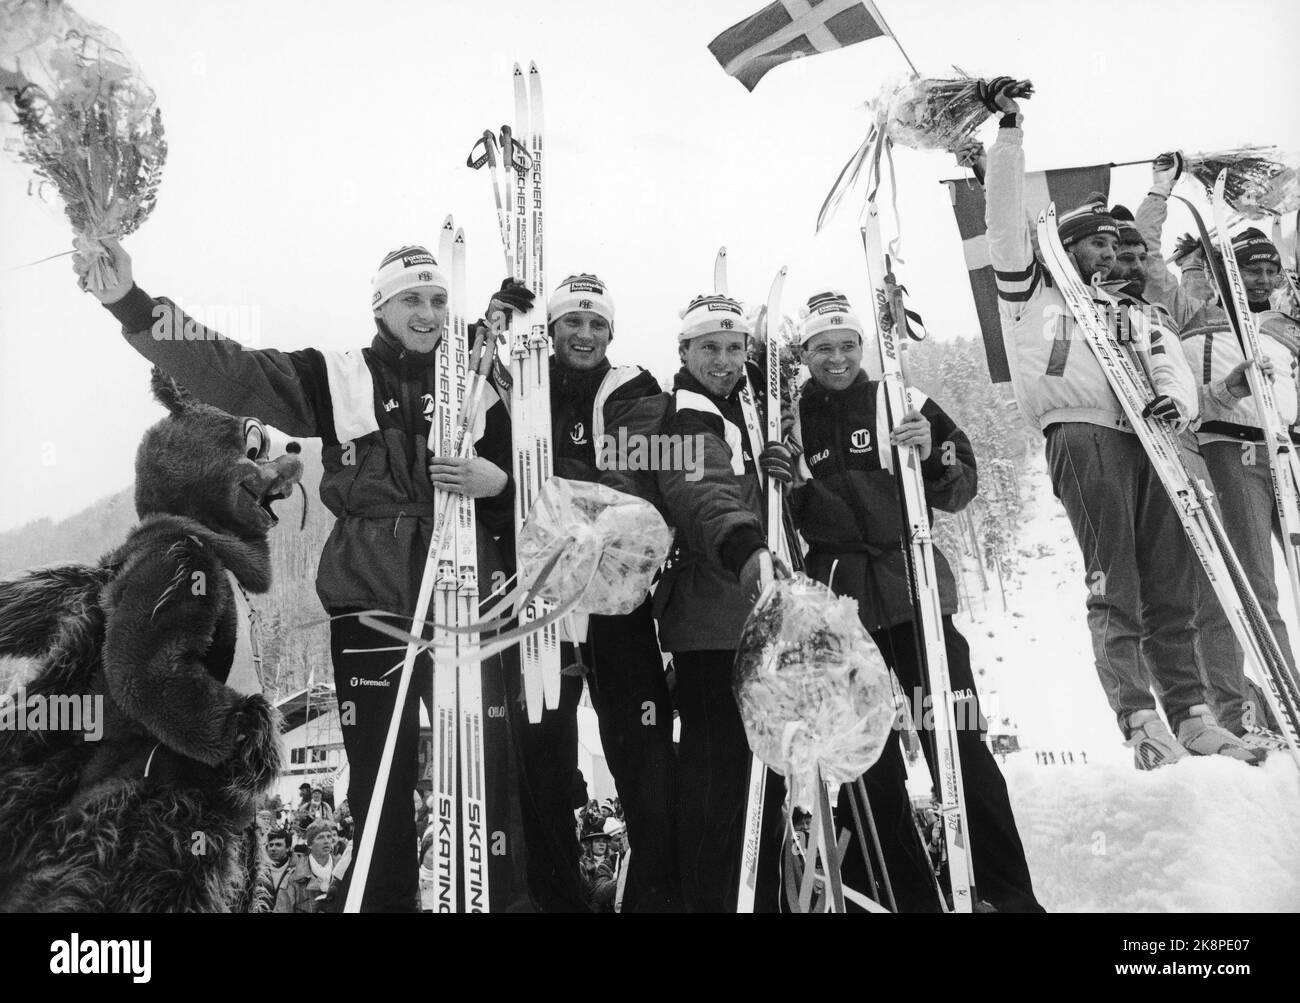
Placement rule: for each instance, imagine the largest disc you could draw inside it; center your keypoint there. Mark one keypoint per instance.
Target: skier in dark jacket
(594, 408)
(371, 410)
(846, 504)
(709, 586)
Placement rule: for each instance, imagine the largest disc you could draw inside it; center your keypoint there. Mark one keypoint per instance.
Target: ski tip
(532, 68)
(518, 71)
(447, 223)
(722, 251)
(460, 237)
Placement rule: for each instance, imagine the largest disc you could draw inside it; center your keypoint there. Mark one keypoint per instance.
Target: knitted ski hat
(711, 314)
(1090, 218)
(1251, 246)
(827, 311)
(1128, 232)
(403, 269)
(581, 292)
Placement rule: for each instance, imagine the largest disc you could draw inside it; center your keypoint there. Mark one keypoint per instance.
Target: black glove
(777, 461)
(1162, 408)
(513, 295)
(1170, 162)
(990, 90)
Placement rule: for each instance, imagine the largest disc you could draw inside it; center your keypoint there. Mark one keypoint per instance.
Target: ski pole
(476, 159)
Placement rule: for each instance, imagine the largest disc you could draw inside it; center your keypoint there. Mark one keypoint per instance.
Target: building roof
(306, 704)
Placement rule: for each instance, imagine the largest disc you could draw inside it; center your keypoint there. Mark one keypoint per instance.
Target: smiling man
(845, 502)
(367, 408)
(708, 589)
(591, 402)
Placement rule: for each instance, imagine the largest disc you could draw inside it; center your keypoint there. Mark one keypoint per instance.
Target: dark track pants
(713, 773)
(366, 698)
(1001, 874)
(630, 697)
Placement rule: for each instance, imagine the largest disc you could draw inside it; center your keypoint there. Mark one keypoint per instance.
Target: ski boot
(1262, 739)
(1201, 735)
(1152, 744)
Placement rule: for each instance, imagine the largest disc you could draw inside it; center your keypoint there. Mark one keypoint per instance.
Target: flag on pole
(791, 29)
(1068, 188)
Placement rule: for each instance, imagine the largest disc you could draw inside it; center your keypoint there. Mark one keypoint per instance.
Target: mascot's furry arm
(168, 608)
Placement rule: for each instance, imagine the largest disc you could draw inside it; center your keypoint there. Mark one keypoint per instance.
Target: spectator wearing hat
(596, 872)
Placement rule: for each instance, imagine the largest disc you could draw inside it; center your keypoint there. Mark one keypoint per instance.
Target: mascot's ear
(170, 394)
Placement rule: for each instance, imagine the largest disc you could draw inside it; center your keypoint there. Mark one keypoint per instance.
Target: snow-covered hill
(1206, 834)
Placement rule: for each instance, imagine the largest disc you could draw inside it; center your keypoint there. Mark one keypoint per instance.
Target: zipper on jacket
(410, 412)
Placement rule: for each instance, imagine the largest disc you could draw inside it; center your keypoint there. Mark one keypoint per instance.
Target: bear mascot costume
(153, 811)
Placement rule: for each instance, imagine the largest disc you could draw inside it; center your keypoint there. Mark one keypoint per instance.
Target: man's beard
(1135, 279)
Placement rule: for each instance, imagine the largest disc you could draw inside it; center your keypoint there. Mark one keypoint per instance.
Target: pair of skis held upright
(1190, 497)
(521, 217)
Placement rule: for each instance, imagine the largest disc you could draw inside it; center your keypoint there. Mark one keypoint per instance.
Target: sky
(307, 139)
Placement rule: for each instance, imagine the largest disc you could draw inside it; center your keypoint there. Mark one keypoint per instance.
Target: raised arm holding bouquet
(921, 114)
(76, 110)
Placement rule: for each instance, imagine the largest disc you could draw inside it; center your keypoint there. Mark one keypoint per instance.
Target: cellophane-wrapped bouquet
(76, 110)
(935, 114)
(1260, 181)
(813, 690)
(609, 546)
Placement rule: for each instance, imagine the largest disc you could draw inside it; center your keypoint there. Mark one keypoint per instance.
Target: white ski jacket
(1055, 376)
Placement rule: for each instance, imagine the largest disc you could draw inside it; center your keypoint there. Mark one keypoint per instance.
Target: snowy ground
(1208, 834)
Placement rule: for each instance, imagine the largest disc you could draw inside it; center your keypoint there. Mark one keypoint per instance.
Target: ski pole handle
(483, 152)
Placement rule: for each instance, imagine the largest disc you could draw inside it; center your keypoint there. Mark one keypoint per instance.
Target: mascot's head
(202, 463)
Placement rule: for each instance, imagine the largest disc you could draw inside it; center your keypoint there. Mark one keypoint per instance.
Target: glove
(513, 295)
(998, 95)
(1166, 169)
(777, 461)
(1163, 409)
(989, 90)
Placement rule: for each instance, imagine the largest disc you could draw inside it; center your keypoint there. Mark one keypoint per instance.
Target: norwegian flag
(1067, 188)
(791, 29)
